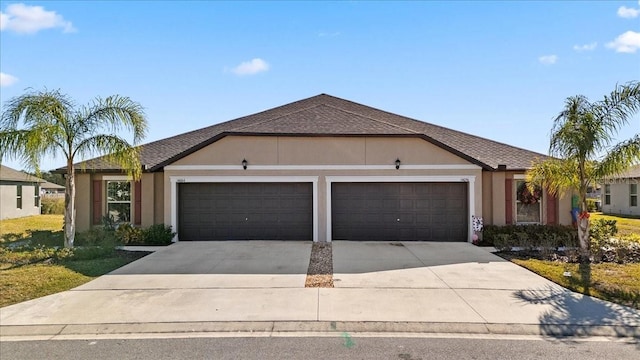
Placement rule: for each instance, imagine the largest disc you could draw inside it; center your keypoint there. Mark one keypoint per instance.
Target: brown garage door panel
(245, 211)
(399, 211)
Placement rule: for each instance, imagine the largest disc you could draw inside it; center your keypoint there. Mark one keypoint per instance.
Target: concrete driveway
(259, 286)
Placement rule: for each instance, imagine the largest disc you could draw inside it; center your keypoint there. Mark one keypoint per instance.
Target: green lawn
(619, 283)
(44, 268)
(20, 283)
(626, 225)
(13, 229)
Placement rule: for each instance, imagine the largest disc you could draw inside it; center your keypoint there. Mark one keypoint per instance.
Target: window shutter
(508, 201)
(137, 217)
(552, 205)
(97, 202)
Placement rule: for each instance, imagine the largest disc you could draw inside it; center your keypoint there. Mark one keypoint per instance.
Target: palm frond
(115, 149)
(115, 113)
(620, 158)
(557, 176)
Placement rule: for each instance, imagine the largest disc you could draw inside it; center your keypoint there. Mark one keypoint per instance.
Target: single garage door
(245, 211)
(399, 211)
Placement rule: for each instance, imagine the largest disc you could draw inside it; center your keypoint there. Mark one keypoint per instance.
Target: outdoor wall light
(244, 164)
(398, 164)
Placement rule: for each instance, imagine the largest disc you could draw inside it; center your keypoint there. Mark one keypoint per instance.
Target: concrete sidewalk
(259, 287)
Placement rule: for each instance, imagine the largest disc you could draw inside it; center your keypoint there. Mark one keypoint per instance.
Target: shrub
(128, 234)
(158, 234)
(591, 205)
(530, 236)
(51, 205)
(600, 233)
(97, 236)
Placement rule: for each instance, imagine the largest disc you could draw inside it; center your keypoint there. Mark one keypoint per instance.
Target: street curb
(327, 327)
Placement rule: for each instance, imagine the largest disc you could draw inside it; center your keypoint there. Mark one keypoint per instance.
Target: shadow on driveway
(576, 314)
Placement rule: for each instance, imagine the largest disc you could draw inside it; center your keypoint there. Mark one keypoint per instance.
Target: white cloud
(7, 80)
(548, 59)
(628, 13)
(25, 19)
(585, 47)
(329, 34)
(628, 42)
(251, 67)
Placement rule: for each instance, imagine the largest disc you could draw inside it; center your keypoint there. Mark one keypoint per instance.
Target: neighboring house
(49, 189)
(19, 194)
(620, 193)
(320, 169)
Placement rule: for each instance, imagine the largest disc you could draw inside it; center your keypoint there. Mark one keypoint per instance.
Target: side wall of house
(9, 200)
(621, 198)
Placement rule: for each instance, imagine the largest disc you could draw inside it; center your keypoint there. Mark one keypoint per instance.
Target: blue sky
(500, 70)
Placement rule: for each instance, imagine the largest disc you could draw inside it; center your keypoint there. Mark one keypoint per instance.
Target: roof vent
(502, 167)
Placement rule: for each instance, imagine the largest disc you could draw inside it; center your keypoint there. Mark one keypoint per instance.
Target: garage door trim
(470, 179)
(175, 180)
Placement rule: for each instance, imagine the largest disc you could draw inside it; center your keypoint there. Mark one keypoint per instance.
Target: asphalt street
(341, 346)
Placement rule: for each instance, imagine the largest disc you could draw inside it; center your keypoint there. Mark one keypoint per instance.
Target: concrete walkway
(258, 286)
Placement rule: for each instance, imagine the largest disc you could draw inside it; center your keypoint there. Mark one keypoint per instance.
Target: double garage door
(359, 211)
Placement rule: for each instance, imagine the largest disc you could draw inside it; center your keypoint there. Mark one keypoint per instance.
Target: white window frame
(130, 201)
(607, 194)
(517, 178)
(633, 195)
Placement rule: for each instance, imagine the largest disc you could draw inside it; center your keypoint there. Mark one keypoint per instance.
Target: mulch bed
(320, 272)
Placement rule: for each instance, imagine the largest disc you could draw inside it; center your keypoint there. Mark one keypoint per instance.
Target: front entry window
(119, 200)
(528, 204)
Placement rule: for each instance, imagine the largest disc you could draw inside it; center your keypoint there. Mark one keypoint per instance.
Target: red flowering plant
(526, 196)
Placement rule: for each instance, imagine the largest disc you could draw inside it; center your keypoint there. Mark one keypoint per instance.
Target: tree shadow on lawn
(575, 314)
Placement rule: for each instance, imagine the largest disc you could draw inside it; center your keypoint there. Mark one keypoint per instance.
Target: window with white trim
(633, 194)
(119, 200)
(528, 204)
(607, 194)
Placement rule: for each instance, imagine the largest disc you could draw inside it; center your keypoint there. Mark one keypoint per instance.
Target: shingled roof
(9, 174)
(325, 115)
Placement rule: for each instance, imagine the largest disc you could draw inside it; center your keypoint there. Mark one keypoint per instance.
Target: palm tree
(41, 123)
(583, 149)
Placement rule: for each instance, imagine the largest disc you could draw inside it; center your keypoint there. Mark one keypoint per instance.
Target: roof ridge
(273, 118)
(374, 119)
(420, 122)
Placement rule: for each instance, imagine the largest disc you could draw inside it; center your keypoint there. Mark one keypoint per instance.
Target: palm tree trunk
(70, 206)
(583, 236)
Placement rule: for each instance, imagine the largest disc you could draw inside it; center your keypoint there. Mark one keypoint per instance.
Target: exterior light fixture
(244, 164)
(398, 164)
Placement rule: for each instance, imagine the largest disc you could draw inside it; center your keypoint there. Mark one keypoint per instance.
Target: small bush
(530, 236)
(50, 205)
(128, 234)
(158, 234)
(591, 205)
(97, 236)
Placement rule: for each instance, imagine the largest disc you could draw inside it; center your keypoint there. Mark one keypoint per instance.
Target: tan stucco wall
(147, 187)
(158, 208)
(279, 150)
(498, 213)
(620, 199)
(9, 201)
(83, 207)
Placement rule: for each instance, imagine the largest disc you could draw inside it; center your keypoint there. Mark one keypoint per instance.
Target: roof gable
(9, 174)
(327, 115)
